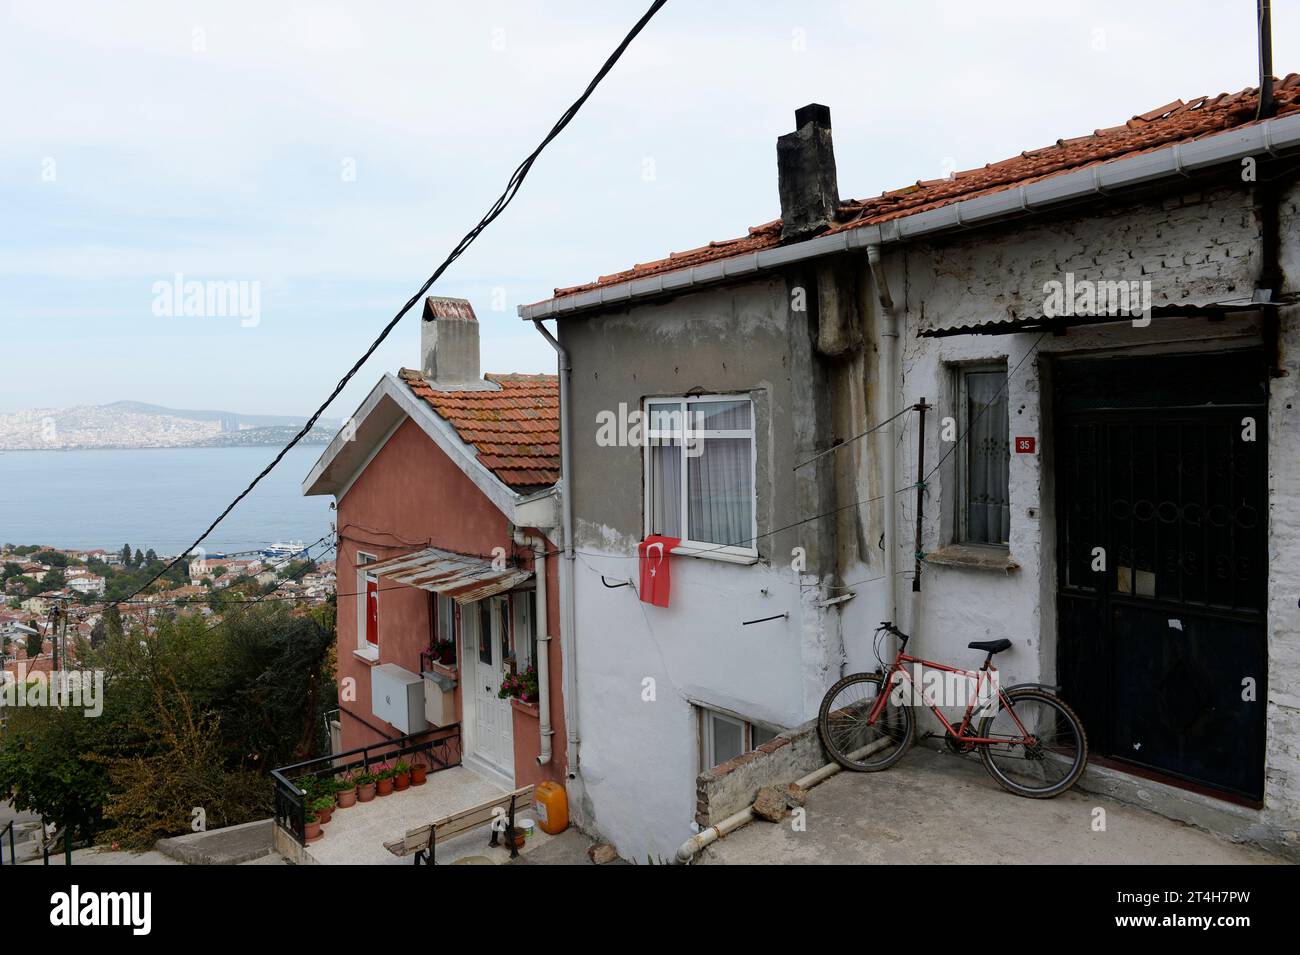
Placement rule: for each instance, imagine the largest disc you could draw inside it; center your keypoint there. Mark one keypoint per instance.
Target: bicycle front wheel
(1045, 749)
(850, 739)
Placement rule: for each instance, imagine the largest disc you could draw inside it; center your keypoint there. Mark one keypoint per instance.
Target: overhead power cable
(503, 201)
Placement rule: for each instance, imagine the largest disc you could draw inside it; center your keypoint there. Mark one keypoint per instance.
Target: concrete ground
(937, 807)
(356, 836)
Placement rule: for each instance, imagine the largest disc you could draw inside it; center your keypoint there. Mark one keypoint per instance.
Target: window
(700, 472)
(524, 606)
(367, 608)
(444, 615)
(984, 512)
(725, 736)
(484, 633)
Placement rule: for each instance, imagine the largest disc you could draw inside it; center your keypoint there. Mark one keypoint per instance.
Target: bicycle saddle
(990, 646)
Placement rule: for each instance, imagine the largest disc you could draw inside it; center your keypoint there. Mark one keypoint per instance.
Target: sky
(327, 156)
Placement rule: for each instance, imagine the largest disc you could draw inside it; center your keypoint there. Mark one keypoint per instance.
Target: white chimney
(449, 343)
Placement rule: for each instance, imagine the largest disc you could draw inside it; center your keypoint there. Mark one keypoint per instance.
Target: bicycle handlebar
(889, 626)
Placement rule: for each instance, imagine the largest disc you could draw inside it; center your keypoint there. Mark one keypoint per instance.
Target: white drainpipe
(706, 837)
(568, 621)
(538, 544)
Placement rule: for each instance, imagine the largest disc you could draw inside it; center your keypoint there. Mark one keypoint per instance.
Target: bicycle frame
(984, 673)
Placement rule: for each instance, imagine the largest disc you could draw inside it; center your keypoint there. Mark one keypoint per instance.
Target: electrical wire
(503, 201)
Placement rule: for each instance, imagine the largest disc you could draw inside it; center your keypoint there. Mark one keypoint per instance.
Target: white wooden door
(493, 718)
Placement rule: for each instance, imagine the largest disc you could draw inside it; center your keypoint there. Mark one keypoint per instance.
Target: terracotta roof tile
(515, 430)
(1173, 122)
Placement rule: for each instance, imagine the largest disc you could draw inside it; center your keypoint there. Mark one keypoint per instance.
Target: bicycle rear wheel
(848, 737)
(1056, 754)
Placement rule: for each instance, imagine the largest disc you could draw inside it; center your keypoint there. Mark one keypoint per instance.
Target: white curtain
(719, 492)
(666, 488)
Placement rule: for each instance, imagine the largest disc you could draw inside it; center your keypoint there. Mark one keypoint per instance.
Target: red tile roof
(516, 430)
(1173, 122)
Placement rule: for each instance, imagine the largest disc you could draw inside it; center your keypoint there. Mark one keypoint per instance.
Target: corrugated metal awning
(1040, 323)
(460, 576)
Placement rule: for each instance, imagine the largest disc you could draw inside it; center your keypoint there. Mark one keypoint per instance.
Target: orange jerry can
(551, 806)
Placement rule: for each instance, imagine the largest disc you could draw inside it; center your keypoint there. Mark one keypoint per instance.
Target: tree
(139, 558)
(196, 716)
(35, 644)
(10, 570)
(150, 556)
(53, 580)
(126, 555)
(113, 621)
(218, 570)
(52, 557)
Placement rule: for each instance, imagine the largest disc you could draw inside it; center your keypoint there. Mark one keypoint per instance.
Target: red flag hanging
(654, 551)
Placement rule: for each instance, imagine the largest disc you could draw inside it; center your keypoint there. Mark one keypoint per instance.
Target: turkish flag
(654, 551)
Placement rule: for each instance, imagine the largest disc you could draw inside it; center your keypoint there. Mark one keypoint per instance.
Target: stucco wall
(957, 605)
(411, 496)
(640, 757)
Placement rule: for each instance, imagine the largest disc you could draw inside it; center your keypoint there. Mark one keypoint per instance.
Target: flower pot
(419, 774)
(385, 786)
(401, 781)
(366, 792)
(517, 835)
(324, 815)
(312, 831)
(346, 797)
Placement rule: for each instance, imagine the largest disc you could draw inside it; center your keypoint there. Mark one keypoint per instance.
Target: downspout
(538, 544)
(568, 623)
(888, 359)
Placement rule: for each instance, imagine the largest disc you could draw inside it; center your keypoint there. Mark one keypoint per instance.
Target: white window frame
(707, 714)
(364, 648)
(962, 510)
(687, 546)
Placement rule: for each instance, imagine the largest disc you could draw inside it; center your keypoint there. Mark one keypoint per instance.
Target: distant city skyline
(327, 157)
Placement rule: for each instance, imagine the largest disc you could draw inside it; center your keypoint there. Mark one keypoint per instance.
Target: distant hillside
(135, 424)
(244, 420)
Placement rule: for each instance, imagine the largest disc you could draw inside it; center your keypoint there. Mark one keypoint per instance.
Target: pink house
(447, 568)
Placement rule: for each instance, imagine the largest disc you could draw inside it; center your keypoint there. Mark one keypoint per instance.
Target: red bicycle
(1029, 740)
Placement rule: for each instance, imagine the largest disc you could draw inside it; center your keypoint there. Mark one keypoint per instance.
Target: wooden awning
(462, 577)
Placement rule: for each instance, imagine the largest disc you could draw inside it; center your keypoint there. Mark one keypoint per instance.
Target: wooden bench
(422, 841)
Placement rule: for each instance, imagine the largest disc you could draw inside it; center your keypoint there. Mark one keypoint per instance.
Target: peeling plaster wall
(639, 758)
(965, 281)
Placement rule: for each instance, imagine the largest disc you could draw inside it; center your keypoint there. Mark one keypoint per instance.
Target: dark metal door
(1161, 482)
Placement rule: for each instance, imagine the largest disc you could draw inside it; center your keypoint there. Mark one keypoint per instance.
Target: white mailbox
(397, 697)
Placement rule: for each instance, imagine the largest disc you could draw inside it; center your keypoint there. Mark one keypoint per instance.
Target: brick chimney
(805, 166)
(449, 343)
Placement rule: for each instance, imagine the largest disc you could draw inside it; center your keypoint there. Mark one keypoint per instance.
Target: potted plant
(322, 808)
(520, 686)
(384, 785)
(419, 773)
(366, 784)
(311, 828)
(401, 775)
(345, 791)
(444, 652)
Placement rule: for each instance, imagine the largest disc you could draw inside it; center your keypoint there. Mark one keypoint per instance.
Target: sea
(159, 498)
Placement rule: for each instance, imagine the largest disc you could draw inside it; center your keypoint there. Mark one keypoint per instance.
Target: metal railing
(440, 746)
(8, 830)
